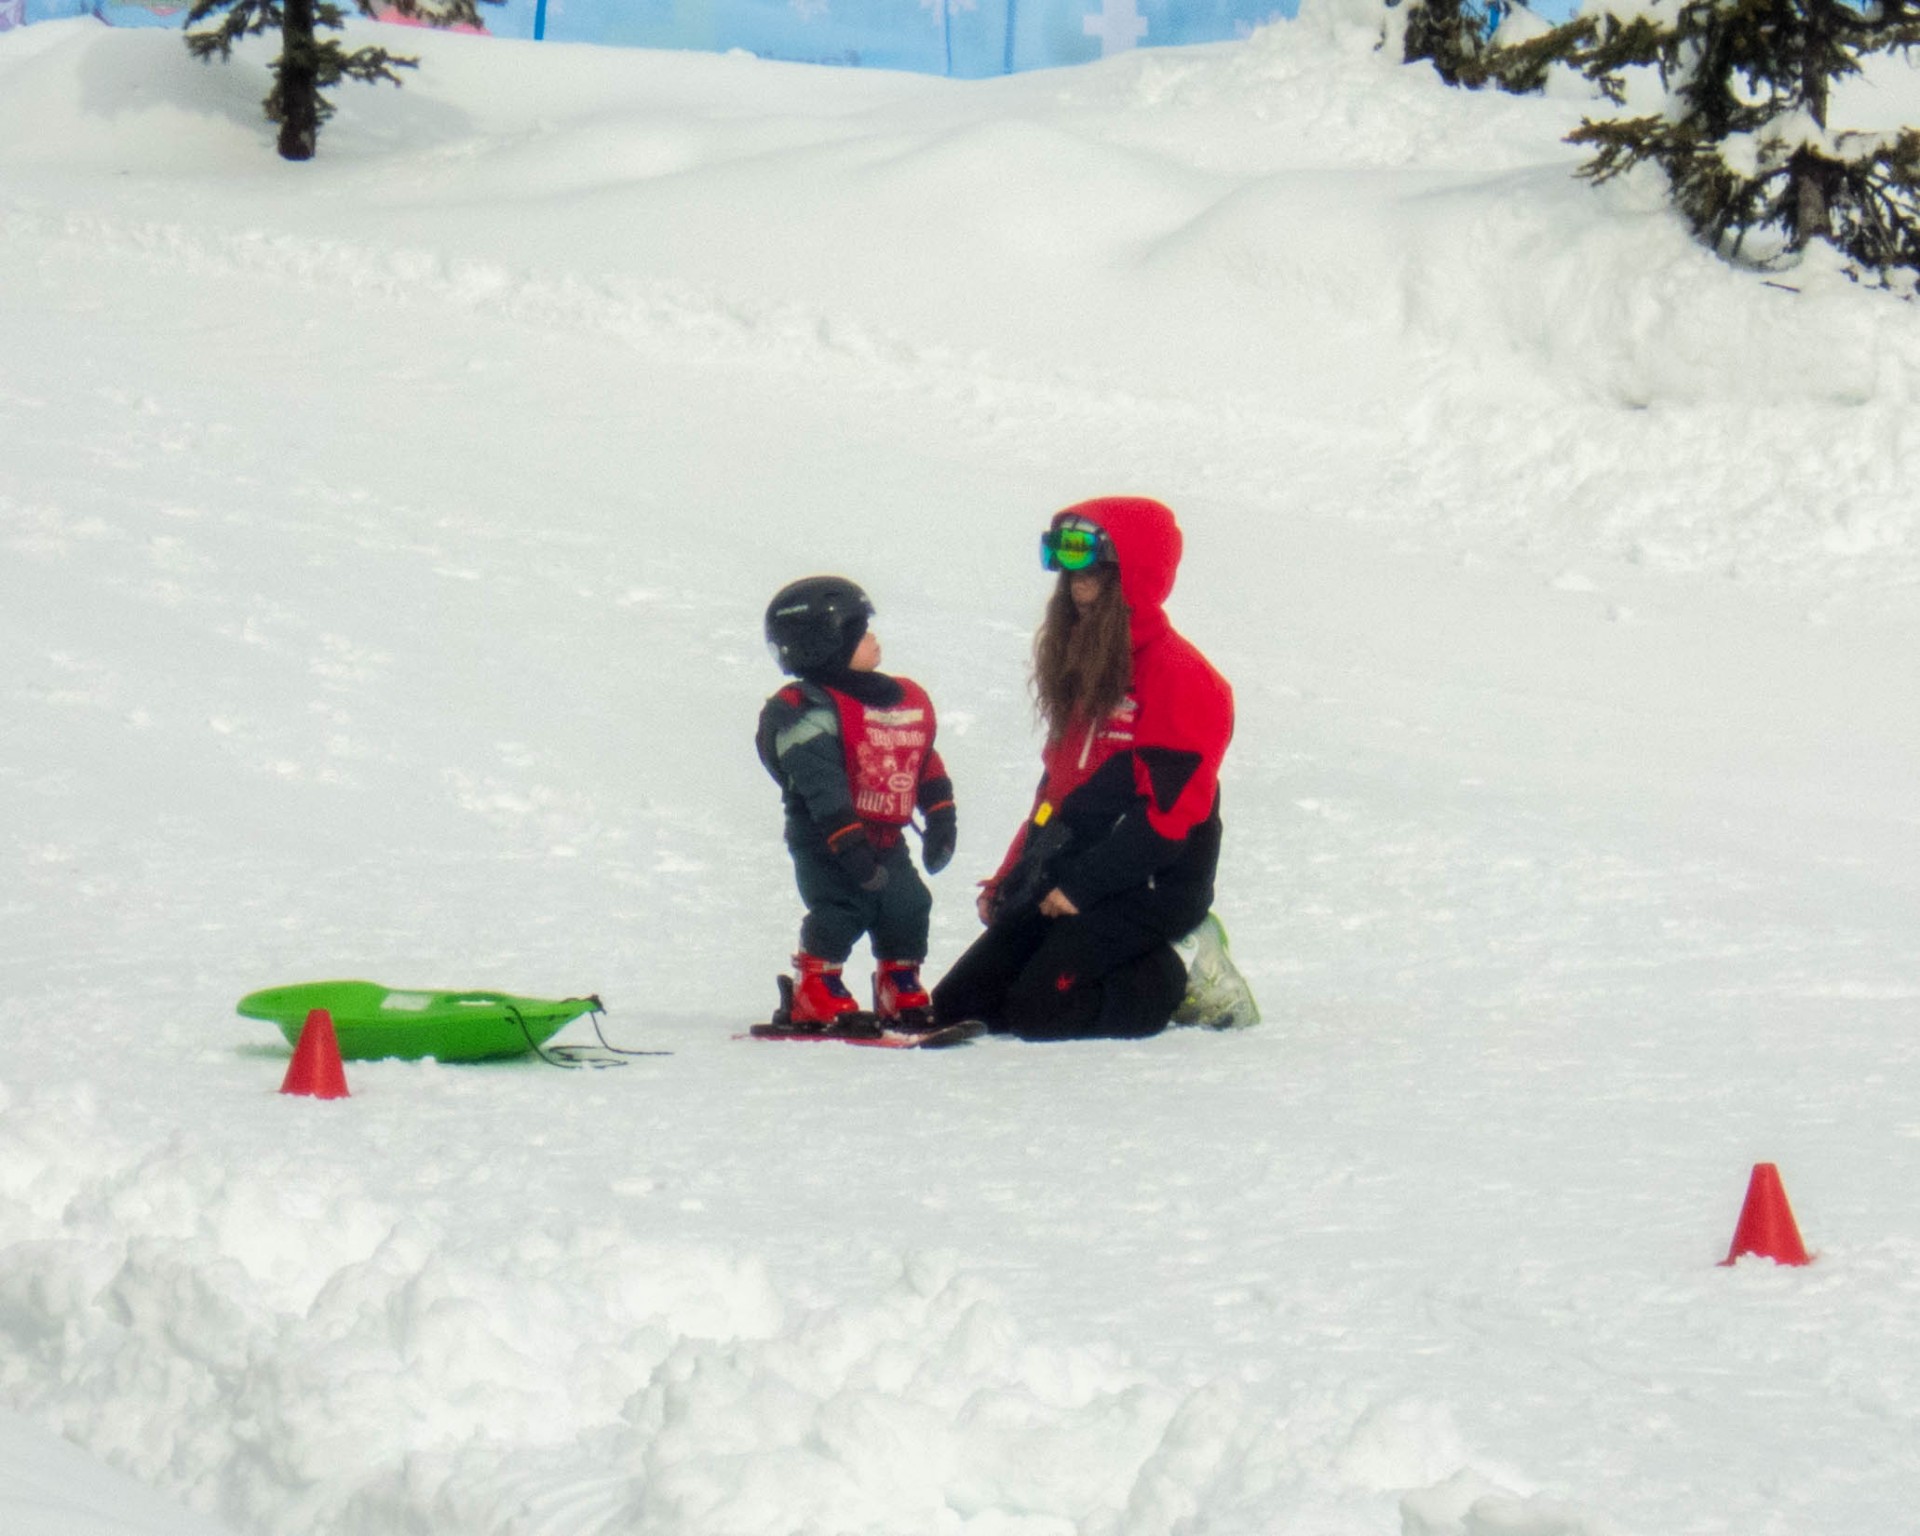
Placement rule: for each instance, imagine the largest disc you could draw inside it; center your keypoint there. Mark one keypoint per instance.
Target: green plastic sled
(371, 1021)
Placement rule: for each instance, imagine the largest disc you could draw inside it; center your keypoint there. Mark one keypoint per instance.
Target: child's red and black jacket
(854, 756)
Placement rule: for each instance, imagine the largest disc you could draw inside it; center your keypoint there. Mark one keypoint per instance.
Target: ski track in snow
(1799, 502)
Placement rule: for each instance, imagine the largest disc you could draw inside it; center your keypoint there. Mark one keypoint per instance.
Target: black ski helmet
(816, 622)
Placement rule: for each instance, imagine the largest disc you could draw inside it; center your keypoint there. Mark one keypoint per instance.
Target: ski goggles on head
(1074, 544)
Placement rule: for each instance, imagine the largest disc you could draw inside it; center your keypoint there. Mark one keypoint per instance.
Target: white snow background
(385, 546)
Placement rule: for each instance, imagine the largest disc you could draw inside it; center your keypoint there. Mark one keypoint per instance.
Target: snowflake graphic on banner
(940, 10)
(1119, 26)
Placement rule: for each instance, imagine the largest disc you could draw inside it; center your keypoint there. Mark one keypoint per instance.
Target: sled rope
(575, 1056)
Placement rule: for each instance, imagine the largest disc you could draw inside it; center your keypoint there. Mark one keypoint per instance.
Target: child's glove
(936, 843)
(861, 867)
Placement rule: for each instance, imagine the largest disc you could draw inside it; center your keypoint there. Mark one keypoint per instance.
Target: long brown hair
(1082, 664)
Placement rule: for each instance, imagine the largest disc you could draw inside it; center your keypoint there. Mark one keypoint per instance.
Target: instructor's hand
(1055, 904)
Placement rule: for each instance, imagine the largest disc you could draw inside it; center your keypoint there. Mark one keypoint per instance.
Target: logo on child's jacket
(887, 758)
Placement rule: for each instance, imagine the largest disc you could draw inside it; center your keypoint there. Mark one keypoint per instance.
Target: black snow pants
(839, 912)
(1107, 974)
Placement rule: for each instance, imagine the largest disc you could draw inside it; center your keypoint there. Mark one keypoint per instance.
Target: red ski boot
(899, 1001)
(818, 1002)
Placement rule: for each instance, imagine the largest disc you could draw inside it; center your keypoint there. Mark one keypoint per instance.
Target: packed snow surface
(385, 546)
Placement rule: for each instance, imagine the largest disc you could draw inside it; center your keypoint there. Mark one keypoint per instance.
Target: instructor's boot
(899, 1001)
(820, 999)
(1217, 995)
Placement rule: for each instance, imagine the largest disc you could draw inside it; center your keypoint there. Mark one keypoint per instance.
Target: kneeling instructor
(1118, 856)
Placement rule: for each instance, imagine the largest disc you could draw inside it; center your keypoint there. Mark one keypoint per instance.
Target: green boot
(1217, 996)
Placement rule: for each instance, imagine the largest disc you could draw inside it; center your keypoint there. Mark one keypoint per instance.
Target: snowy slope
(51, 1488)
(385, 543)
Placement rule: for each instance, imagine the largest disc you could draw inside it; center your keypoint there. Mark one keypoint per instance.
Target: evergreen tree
(1462, 40)
(1455, 36)
(1744, 138)
(307, 65)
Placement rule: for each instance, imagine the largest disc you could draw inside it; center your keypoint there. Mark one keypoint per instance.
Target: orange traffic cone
(315, 1069)
(1766, 1222)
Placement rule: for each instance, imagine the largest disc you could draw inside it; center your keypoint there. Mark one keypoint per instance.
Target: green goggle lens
(1070, 549)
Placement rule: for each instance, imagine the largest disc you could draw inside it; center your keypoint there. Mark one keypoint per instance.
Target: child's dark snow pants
(839, 912)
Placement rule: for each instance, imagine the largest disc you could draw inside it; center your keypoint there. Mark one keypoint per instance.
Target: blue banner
(964, 38)
(162, 13)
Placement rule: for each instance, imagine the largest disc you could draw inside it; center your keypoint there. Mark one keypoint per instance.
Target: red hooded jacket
(1146, 779)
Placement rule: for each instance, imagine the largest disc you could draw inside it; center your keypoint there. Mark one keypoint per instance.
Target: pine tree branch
(244, 18)
(1623, 143)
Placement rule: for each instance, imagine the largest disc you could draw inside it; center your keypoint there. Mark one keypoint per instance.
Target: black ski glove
(937, 842)
(1035, 872)
(861, 867)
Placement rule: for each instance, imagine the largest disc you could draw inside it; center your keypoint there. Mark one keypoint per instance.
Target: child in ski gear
(1117, 859)
(852, 749)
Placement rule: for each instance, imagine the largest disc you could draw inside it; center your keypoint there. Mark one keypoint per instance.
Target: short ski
(886, 1039)
(861, 1028)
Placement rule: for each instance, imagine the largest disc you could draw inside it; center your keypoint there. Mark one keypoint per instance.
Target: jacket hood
(1146, 538)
